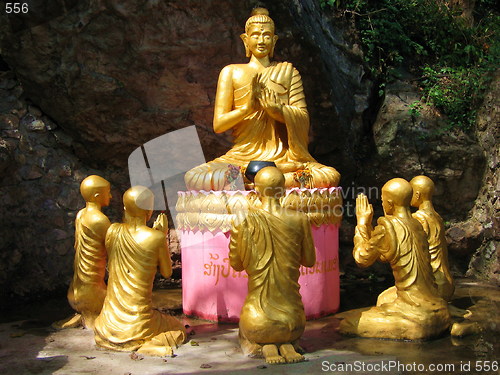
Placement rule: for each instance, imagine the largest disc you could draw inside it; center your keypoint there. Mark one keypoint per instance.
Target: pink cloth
(212, 290)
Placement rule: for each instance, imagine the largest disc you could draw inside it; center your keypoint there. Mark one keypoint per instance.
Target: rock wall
(39, 187)
(479, 235)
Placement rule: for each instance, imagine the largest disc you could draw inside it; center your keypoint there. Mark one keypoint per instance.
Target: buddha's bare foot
(290, 355)
(71, 322)
(271, 355)
(291, 166)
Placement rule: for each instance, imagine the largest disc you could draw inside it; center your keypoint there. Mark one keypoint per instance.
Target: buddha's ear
(275, 39)
(244, 37)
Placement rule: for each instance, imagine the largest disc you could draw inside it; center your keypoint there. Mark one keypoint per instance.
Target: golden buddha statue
(263, 103)
(412, 309)
(87, 289)
(127, 320)
(423, 189)
(270, 244)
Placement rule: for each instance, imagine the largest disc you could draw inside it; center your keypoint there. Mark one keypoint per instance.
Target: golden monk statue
(271, 244)
(412, 309)
(87, 289)
(127, 320)
(263, 103)
(423, 189)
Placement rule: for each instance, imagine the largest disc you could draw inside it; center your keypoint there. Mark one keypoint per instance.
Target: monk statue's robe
(438, 250)
(87, 290)
(271, 249)
(260, 137)
(411, 309)
(127, 320)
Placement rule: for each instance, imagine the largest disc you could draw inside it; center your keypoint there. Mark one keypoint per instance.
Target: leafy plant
(453, 59)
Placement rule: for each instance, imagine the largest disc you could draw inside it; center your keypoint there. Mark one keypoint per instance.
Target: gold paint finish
(423, 189)
(412, 309)
(263, 103)
(87, 289)
(217, 211)
(270, 244)
(135, 251)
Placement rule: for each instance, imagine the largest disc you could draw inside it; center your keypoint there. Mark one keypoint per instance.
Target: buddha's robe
(127, 319)
(438, 250)
(271, 250)
(260, 137)
(412, 309)
(87, 290)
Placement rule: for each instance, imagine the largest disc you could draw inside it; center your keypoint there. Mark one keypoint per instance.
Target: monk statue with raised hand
(412, 309)
(423, 189)
(87, 289)
(263, 103)
(128, 321)
(270, 244)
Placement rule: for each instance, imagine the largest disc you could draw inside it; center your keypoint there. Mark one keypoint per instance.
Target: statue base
(212, 290)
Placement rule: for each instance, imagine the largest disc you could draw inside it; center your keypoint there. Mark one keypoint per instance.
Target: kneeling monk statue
(270, 244)
(127, 320)
(423, 189)
(263, 103)
(87, 290)
(412, 309)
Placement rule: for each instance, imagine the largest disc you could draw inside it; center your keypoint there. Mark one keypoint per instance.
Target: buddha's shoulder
(230, 69)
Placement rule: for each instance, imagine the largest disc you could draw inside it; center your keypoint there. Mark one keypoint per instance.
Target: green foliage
(330, 3)
(452, 59)
(415, 109)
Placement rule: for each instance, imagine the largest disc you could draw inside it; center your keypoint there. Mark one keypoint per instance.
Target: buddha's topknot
(260, 11)
(259, 15)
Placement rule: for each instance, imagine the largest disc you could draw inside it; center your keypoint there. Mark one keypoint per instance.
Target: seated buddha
(263, 103)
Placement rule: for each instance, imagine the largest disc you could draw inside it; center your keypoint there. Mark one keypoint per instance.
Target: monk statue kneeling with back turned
(412, 309)
(127, 321)
(270, 244)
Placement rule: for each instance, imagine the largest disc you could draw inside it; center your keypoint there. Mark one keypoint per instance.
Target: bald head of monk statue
(96, 189)
(423, 190)
(138, 202)
(270, 182)
(396, 195)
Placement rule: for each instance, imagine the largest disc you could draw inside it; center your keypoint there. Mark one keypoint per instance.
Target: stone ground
(29, 346)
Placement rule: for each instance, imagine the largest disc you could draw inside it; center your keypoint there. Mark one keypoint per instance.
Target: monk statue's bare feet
(271, 355)
(71, 322)
(163, 344)
(290, 355)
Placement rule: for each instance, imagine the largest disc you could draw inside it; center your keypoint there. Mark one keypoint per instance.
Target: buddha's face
(260, 39)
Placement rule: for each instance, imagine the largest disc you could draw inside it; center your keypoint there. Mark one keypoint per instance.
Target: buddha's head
(96, 189)
(270, 182)
(138, 201)
(396, 193)
(423, 189)
(259, 38)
